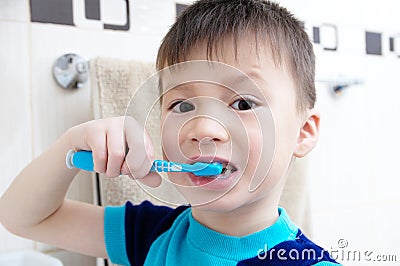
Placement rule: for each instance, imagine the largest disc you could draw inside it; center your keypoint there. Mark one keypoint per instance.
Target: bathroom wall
(353, 171)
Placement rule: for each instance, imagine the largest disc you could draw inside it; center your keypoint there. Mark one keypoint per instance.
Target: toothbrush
(84, 160)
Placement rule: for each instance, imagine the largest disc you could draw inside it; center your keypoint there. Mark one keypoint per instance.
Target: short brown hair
(211, 21)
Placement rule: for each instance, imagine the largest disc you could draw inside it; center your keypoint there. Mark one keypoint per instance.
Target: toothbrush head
(206, 169)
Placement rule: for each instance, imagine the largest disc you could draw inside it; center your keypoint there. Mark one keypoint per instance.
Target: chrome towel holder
(71, 71)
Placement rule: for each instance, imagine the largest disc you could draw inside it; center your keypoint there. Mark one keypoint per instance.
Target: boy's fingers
(99, 150)
(141, 151)
(125, 169)
(116, 151)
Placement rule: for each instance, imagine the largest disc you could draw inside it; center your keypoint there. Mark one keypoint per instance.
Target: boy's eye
(181, 107)
(243, 104)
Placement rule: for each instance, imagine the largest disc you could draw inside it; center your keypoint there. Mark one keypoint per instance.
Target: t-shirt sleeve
(129, 230)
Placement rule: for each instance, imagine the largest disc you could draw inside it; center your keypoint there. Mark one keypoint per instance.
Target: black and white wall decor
(179, 8)
(394, 44)
(115, 15)
(109, 14)
(373, 43)
(326, 35)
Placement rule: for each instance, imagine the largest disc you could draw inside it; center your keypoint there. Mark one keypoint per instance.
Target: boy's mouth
(223, 181)
(227, 166)
(227, 169)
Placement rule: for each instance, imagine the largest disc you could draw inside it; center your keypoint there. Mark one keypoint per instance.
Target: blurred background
(352, 175)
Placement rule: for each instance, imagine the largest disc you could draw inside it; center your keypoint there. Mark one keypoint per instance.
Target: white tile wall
(15, 101)
(368, 228)
(354, 172)
(15, 117)
(14, 10)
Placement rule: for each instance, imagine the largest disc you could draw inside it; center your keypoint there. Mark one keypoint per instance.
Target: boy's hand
(120, 145)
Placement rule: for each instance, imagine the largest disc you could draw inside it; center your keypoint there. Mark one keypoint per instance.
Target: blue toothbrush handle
(80, 159)
(84, 160)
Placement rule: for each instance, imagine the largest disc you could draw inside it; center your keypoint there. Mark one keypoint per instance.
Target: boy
(233, 220)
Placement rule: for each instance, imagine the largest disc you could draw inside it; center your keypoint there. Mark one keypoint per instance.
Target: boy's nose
(207, 130)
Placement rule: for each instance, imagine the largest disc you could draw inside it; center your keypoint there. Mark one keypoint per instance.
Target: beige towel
(113, 84)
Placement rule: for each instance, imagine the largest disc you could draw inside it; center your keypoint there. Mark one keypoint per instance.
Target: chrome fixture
(71, 71)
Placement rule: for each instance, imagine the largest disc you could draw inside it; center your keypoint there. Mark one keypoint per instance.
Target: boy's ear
(309, 134)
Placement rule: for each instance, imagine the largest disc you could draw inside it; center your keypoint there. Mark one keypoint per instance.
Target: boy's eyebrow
(230, 81)
(251, 81)
(250, 76)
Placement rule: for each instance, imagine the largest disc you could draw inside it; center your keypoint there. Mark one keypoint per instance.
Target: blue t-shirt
(157, 235)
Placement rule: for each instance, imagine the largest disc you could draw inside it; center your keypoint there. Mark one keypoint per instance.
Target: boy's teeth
(227, 170)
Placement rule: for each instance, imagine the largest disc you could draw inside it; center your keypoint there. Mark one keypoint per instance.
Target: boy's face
(241, 113)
